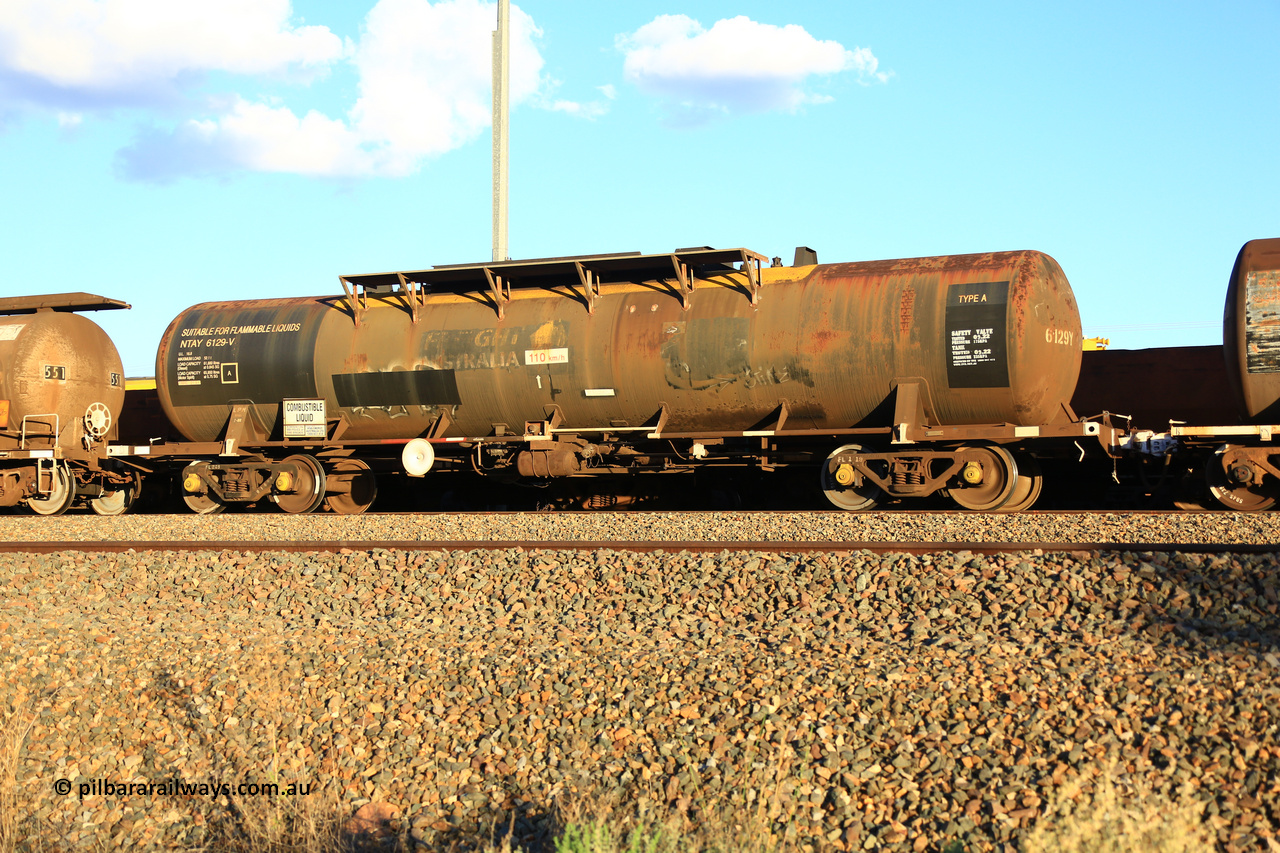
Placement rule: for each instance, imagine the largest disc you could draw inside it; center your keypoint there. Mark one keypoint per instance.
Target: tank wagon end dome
(61, 370)
(1251, 330)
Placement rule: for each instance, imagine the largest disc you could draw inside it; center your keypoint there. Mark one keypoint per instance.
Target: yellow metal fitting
(284, 482)
(191, 484)
(972, 473)
(844, 474)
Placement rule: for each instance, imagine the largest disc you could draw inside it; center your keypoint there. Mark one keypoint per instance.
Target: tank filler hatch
(66, 302)
(581, 274)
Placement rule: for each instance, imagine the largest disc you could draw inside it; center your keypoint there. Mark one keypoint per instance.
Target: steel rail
(774, 547)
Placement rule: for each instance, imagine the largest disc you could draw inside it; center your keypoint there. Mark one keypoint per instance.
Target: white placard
(304, 419)
(11, 332)
(547, 356)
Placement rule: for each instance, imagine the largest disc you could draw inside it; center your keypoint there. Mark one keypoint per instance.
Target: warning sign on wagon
(304, 419)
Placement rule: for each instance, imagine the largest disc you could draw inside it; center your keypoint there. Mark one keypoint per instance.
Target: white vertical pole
(501, 128)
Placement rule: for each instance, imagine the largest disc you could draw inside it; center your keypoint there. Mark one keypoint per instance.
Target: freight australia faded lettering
(488, 349)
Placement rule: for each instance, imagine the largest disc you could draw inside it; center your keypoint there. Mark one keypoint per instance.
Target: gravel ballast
(1183, 528)
(855, 701)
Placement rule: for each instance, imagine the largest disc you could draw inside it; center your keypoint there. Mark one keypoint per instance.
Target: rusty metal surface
(1251, 330)
(54, 363)
(1154, 386)
(58, 302)
(989, 338)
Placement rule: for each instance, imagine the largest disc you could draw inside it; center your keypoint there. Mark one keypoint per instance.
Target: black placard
(263, 354)
(397, 388)
(977, 353)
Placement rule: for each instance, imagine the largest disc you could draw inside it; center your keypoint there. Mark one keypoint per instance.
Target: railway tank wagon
(1243, 470)
(61, 392)
(898, 378)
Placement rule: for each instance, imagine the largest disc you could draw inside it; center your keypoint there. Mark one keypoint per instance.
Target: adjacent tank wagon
(1242, 467)
(61, 391)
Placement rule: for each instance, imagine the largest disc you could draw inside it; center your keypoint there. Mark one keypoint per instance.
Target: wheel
(61, 494)
(854, 497)
(358, 485)
(199, 502)
(308, 487)
(117, 502)
(203, 504)
(1026, 489)
(1234, 492)
(987, 481)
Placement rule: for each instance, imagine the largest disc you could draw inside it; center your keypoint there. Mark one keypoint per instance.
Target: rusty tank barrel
(60, 374)
(989, 338)
(1251, 330)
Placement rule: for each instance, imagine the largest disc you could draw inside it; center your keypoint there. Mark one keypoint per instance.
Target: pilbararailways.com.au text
(180, 788)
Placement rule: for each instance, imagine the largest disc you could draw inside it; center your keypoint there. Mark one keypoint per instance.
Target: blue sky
(167, 152)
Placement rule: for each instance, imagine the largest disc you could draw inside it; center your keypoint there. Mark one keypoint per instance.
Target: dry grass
(311, 823)
(281, 824)
(14, 727)
(1114, 821)
(614, 823)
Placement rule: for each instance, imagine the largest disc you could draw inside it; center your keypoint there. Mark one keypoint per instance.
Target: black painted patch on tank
(977, 352)
(397, 388)
(1262, 321)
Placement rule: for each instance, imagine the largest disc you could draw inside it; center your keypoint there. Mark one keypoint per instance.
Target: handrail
(582, 273)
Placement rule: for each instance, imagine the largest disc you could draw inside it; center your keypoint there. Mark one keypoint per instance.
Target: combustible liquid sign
(304, 419)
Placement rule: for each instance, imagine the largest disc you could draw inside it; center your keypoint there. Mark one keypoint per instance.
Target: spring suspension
(237, 486)
(911, 477)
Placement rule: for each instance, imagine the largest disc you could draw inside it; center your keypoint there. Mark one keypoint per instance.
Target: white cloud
(424, 71)
(104, 53)
(578, 109)
(423, 80)
(739, 65)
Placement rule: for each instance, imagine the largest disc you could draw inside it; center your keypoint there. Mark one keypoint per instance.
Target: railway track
(648, 531)
(773, 547)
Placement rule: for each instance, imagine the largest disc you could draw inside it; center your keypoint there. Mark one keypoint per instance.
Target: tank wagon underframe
(979, 468)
